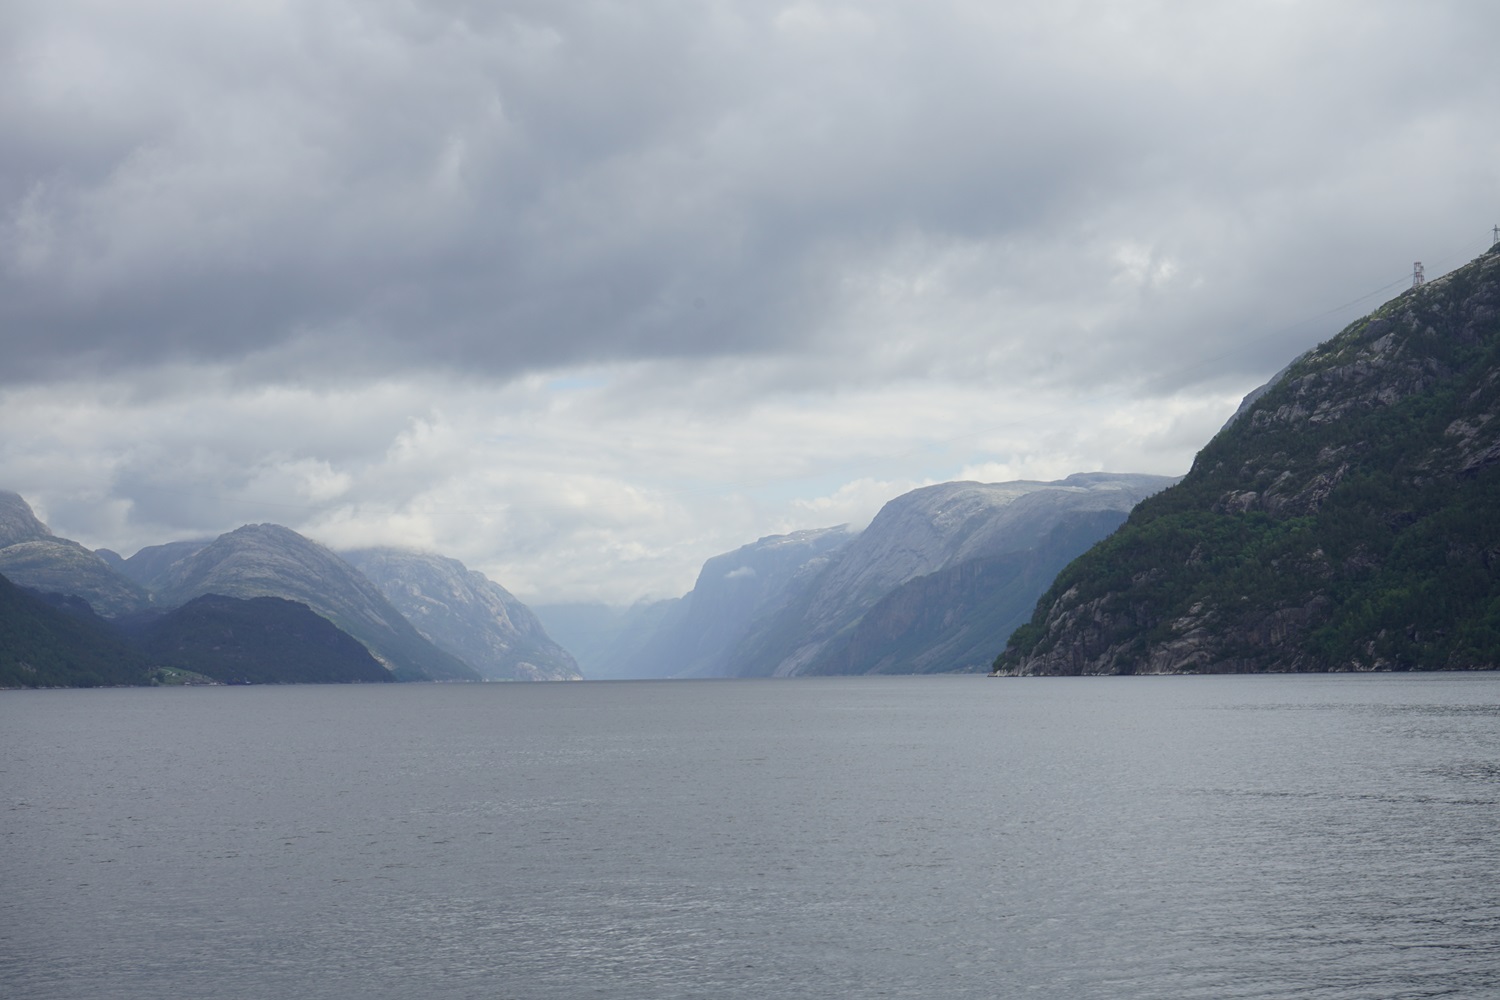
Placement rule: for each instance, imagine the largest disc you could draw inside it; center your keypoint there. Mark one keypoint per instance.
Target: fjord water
(1251, 837)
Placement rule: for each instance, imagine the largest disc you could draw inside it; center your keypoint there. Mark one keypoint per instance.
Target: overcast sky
(585, 293)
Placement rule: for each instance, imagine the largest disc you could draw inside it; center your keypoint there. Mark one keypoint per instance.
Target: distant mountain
(267, 560)
(937, 578)
(465, 613)
(1345, 520)
(31, 556)
(149, 567)
(925, 532)
(950, 620)
(43, 645)
(694, 637)
(607, 640)
(260, 640)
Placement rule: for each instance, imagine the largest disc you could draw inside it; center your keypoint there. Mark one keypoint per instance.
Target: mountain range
(918, 559)
(935, 583)
(1344, 518)
(251, 591)
(268, 560)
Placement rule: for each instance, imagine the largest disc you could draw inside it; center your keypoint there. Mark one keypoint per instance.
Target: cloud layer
(583, 293)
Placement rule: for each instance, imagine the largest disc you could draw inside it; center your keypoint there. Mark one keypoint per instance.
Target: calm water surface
(1216, 837)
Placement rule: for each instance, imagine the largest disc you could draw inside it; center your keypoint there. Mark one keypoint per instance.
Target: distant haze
(584, 294)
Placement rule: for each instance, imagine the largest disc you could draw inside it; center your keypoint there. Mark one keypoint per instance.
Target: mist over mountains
(940, 577)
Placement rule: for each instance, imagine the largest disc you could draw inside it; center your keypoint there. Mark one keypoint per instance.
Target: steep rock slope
(1346, 520)
(267, 560)
(18, 522)
(918, 534)
(31, 556)
(464, 612)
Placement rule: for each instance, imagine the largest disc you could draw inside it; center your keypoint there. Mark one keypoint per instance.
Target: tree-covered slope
(261, 640)
(1349, 519)
(44, 646)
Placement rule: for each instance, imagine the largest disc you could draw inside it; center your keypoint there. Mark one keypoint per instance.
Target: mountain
(463, 612)
(18, 522)
(925, 532)
(149, 566)
(31, 556)
(259, 640)
(43, 645)
(1346, 520)
(607, 640)
(953, 619)
(695, 637)
(267, 560)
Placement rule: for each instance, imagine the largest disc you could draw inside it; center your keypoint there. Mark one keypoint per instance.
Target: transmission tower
(1417, 278)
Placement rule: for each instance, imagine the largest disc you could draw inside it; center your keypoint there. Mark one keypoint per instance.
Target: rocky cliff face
(922, 533)
(267, 560)
(465, 613)
(1345, 520)
(31, 556)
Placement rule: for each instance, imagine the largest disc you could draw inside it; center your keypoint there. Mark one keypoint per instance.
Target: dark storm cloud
(492, 188)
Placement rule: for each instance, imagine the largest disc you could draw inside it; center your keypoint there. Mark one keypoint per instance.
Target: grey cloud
(495, 188)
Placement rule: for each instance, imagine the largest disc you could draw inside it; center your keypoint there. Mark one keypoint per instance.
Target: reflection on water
(1326, 837)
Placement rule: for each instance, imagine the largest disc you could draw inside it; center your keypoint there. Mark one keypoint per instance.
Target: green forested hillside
(1349, 519)
(262, 640)
(42, 646)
